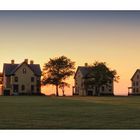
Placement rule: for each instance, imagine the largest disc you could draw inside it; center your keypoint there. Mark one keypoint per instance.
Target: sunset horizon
(82, 36)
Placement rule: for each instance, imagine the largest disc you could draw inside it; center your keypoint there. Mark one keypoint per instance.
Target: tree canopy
(56, 71)
(100, 75)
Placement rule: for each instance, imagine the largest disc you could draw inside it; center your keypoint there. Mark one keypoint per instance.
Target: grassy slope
(69, 112)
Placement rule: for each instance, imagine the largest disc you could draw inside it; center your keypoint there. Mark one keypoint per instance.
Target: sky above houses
(83, 36)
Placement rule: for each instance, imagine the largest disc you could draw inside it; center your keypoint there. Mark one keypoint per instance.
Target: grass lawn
(32, 112)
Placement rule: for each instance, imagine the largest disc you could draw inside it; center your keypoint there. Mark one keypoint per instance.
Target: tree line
(57, 70)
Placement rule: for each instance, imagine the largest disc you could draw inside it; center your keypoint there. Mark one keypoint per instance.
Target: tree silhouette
(57, 70)
(99, 74)
(62, 87)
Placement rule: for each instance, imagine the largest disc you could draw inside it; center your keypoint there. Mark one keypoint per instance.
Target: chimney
(31, 62)
(12, 61)
(26, 60)
(86, 64)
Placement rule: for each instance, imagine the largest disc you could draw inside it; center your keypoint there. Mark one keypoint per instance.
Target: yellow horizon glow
(111, 37)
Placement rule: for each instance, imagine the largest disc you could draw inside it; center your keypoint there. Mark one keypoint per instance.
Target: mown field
(30, 112)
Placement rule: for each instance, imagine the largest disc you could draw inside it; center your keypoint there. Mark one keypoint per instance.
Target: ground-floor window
(22, 87)
(32, 88)
(89, 92)
(15, 88)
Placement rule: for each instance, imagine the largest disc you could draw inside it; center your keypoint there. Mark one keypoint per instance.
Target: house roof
(10, 69)
(84, 70)
(138, 70)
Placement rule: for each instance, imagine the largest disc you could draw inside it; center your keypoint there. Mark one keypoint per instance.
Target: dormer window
(24, 71)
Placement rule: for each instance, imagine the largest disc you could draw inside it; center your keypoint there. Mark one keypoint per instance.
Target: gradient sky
(83, 36)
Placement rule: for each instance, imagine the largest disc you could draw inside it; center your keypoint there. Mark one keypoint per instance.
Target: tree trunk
(63, 92)
(97, 90)
(57, 94)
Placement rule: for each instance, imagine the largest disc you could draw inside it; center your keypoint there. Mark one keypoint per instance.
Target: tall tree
(57, 70)
(99, 74)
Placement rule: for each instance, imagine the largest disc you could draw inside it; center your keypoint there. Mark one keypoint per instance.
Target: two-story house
(80, 88)
(135, 83)
(21, 79)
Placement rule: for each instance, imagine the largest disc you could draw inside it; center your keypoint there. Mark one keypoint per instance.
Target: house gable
(134, 75)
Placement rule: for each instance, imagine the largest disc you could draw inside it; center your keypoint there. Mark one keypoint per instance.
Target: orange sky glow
(82, 36)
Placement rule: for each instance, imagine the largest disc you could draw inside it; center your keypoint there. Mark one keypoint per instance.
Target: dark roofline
(135, 74)
(19, 65)
(79, 68)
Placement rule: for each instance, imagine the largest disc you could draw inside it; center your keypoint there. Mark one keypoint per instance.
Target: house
(80, 88)
(21, 79)
(135, 83)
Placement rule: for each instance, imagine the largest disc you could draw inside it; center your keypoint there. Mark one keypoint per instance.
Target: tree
(62, 86)
(99, 74)
(57, 70)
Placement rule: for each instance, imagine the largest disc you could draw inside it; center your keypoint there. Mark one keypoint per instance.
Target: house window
(15, 88)
(22, 87)
(133, 90)
(16, 79)
(137, 83)
(32, 88)
(38, 89)
(110, 90)
(24, 71)
(137, 76)
(133, 83)
(137, 90)
(103, 89)
(32, 79)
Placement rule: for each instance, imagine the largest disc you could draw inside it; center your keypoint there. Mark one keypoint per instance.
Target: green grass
(32, 112)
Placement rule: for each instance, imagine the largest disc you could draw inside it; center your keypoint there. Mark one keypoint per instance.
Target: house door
(90, 93)
(15, 88)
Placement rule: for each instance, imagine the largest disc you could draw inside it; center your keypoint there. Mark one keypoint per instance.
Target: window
(22, 87)
(16, 79)
(24, 71)
(15, 88)
(133, 83)
(137, 76)
(137, 90)
(110, 89)
(103, 89)
(32, 79)
(38, 89)
(32, 88)
(133, 90)
(137, 83)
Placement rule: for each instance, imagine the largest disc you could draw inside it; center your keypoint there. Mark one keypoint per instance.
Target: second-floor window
(24, 71)
(133, 83)
(16, 79)
(32, 79)
(137, 83)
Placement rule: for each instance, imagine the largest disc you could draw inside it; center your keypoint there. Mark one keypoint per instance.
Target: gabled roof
(10, 69)
(84, 70)
(138, 70)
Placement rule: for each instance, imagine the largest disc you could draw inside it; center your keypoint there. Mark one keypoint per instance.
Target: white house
(80, 89)
(135, 83)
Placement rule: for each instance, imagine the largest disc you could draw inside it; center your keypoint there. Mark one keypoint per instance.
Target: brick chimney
(26, 60)
(12, 61)
(31, 62)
